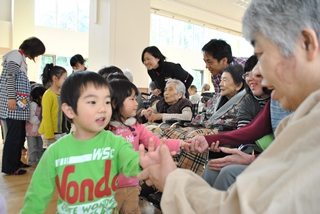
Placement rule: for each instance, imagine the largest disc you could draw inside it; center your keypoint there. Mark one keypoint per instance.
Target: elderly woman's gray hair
(279, 23)
(181, 88)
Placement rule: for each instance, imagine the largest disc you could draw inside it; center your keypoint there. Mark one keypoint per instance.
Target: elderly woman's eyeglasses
(247, 75)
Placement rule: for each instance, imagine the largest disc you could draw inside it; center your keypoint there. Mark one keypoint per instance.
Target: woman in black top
(160, 70)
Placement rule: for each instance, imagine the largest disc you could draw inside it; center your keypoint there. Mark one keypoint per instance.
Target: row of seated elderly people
(242, 98)
(244, 105)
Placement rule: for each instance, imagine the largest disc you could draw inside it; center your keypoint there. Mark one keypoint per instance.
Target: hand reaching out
(156, 174)
(146, 113)
(153, 155)
(154, 117)
(198, 144)
(236, 157)
(185, 146)
(215, 147)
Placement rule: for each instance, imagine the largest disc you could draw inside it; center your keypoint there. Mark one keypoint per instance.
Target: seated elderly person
(226, 108)
(232, 93)
(172, 106)
(205, 87)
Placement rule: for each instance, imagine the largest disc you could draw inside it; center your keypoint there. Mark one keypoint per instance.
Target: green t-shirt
(84, 172)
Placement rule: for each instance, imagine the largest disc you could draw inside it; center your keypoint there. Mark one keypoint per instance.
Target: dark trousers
(14, 141)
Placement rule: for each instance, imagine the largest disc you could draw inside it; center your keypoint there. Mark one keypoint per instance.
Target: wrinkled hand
(157, 174)
(12, 104)
(146, 113)
(154, 117)
(157, 92)
(236, 157)
(215, 147)
(198, 144)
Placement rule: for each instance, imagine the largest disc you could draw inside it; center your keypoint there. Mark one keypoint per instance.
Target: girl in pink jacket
(124, 122)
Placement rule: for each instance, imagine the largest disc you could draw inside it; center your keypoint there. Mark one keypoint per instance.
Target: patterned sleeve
(12, 70)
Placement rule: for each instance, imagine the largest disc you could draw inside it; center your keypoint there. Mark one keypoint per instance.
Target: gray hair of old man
(281, 21)
(181, 88)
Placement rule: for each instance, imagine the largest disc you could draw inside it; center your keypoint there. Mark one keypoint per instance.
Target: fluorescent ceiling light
(241, 3)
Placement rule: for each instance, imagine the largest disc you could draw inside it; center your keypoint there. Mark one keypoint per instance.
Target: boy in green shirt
(83, 165)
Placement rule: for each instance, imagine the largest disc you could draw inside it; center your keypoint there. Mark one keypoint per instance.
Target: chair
(205, 96)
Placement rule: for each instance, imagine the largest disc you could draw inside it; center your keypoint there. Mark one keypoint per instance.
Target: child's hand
(185, 146)
(152, 156)
(198, 144)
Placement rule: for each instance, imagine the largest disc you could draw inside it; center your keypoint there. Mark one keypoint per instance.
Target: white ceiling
(224, 15)
(226, 8)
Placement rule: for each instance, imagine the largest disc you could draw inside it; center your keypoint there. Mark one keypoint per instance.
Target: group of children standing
(47, 122)
(94, 169)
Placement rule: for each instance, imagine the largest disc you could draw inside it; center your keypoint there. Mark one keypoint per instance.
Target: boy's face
(93, 112)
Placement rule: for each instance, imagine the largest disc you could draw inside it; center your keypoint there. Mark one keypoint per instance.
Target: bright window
(171, 32)
(63, 61)
(197, 78)
(64, 14)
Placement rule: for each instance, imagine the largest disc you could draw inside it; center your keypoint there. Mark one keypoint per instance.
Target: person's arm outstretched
(255, 130)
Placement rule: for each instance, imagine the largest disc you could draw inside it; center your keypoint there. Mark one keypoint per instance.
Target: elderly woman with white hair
(173, 105)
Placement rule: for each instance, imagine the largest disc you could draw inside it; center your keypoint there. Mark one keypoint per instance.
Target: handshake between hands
(158, 163)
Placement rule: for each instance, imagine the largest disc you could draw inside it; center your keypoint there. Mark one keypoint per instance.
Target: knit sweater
(284, 179)
(258, 128)
(52, 115)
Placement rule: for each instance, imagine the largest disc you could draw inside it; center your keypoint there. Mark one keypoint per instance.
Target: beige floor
(13, 189)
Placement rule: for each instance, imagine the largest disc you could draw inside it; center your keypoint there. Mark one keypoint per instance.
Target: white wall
(117, 37)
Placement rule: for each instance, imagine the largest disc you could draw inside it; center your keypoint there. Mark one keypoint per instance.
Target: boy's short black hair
(76, 59)
(75, 83)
